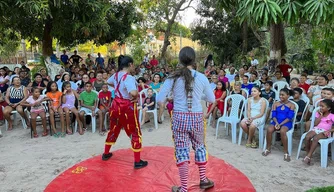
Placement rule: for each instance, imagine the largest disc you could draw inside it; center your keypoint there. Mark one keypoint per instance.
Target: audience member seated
(25, 81)
(68, 104)
(220, 95)
(256, 107)
(148, 104)
(294, 83)
(89, 104)
(36, 109)
(15, 96)
(303, 84)
(222, 78)
(268, 93)
(55, 96)
(156, 84)
(4, 80)
(278, 77)
(213, 82)
(246, 85)
(323, 128)
(297, 93)
(282, 117)
(38, 83)
(97, 84)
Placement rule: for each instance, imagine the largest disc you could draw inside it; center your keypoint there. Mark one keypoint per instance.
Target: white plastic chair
(288, 134)
(280, 85)
(154, 111)
(260, 128)
(233, 117)
(323, 143)
(302, 122)
(246, 92)
(15, 113)
(44, 92)
(92, 117)
(207, 105)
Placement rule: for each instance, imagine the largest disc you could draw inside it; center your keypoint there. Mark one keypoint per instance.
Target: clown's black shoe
(140, 164)
(105, 157)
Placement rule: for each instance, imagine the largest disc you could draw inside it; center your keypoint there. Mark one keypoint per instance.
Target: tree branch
(186, 7)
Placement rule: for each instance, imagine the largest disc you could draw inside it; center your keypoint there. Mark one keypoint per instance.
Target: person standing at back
(284, 67)
(188, 87)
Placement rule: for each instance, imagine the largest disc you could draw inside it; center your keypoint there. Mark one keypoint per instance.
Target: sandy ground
(31, 164)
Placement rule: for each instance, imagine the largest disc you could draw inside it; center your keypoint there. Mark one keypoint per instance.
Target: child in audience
(220, 95)
(256, 108)
(324, 119)
(68, 105)
(237, 89)
(268, 93)
(55, 107)
(246, 85)
(98, 82)
(301, 104)
(156, 84)
(37, 109)
(303, 84)
(148, 104)
(88, 102)
(105, 98)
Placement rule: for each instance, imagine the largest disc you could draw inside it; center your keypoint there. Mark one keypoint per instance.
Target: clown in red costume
(123, 112)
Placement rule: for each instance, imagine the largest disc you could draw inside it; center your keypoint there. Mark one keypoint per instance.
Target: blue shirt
(64, 58)
(100, 61)
(248, 87)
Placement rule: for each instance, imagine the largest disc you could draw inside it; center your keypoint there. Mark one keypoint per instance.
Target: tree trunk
(244, 37)
(277, 41)
(47, 38)
(166, 43)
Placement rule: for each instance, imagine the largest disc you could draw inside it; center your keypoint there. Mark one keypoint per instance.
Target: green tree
(222, 33)
(160, 12)
(70, 22)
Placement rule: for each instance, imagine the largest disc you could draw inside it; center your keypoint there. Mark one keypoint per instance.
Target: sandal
(56, 135)
(62, 134)
(147, 121)
(248, 145)
(102, 133)
(253, 145)
(287, 157)
(45, 134)
(266, 152)
(307, 160)
(35, 135)
(69, 132)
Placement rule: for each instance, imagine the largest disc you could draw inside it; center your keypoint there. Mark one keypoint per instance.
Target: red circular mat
(118, 175)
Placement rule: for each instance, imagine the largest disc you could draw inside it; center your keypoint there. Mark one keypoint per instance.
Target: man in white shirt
(254, 62)
(231, 75)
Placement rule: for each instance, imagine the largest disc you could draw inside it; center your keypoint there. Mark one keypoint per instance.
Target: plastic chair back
(236, 101)
(280, 85)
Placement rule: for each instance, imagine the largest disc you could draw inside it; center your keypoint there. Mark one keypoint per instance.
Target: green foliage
(71, 22)
(38, 66)
(175, 30)
(322, 189)
(305, 59)
(9, 42)
(262, 12)
(221, 33)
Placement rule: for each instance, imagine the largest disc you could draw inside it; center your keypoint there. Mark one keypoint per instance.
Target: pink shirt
(325, 122)
(223, 79)
(35, 108)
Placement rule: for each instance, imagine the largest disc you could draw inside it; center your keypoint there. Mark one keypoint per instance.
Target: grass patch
(322, 189)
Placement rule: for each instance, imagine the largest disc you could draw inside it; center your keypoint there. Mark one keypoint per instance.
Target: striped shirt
(16, 95)
(201, 90)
